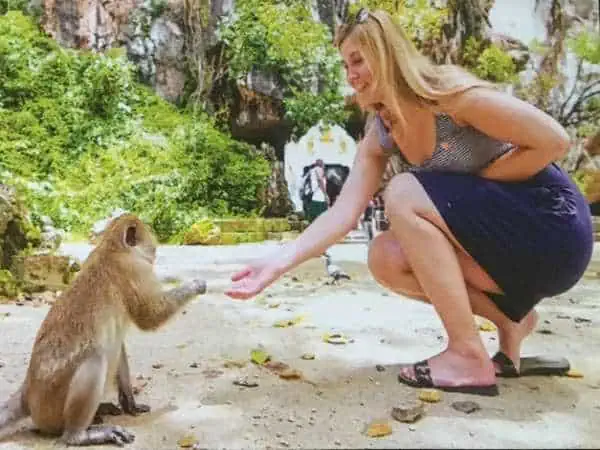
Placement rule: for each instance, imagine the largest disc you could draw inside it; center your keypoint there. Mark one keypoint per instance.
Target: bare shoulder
(468, 106)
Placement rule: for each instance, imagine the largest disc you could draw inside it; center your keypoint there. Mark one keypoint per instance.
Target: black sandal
(530, 366)
(423, 380)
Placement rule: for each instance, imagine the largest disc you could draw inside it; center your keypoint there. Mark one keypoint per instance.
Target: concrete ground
(185, 372)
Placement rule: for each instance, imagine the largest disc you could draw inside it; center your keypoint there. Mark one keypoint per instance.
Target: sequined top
(457, 149)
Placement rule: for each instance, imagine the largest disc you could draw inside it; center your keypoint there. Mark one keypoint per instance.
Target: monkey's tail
(13, 410)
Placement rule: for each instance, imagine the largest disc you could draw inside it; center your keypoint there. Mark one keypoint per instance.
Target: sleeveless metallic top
(457, 149)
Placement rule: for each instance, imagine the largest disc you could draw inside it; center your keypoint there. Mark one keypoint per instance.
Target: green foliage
(13, 5)
(282, 38)
(80, 138)
(494, 64)
(586, 46)
(489, 61)
(422, 21)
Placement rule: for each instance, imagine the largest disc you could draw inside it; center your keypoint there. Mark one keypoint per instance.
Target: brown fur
(80, 344)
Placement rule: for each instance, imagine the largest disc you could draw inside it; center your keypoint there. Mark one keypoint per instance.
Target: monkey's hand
(198, 287)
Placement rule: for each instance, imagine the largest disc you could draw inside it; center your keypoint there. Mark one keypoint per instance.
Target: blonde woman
(483, 223)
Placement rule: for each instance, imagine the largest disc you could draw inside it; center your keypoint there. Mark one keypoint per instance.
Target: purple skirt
(533, 238)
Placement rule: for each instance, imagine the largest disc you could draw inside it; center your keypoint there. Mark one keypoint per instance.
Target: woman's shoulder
(454, 105)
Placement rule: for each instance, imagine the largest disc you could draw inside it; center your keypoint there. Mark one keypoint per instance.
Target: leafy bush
(80, 137)
(283, 38)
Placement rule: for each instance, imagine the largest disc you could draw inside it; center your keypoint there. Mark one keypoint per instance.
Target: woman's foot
(468, 369)
(511, 337)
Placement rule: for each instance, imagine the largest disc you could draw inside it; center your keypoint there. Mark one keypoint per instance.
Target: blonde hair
(396, 63)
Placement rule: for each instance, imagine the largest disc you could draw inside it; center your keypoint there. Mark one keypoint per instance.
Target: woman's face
(358, 74)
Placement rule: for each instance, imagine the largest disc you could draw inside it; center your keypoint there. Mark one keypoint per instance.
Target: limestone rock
(44, 272)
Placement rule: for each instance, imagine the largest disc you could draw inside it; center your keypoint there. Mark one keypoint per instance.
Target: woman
(484, 222)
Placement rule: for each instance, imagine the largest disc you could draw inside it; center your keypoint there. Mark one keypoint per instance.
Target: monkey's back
(88, 319)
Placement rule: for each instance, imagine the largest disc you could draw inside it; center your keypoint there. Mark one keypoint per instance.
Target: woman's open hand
(253, 279)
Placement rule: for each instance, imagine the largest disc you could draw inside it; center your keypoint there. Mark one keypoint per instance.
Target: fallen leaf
(258, 356)
(181, 346)
(335, 338)
(379, 429)
(487, 326)
(574, 373)
(187, 441)
(230, 363)
(274, 305)
(157, 365)
(288, 322)
(291, 374)
(276, 366)
(212, 373)
(308, 356)
(430, 395)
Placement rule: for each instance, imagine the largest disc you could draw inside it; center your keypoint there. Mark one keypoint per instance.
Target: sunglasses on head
(361, 17)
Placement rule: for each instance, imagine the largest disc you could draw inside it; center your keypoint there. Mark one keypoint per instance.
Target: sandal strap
(503, 360)
(423, 373)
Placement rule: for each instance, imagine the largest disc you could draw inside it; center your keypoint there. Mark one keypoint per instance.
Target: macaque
(80, 347)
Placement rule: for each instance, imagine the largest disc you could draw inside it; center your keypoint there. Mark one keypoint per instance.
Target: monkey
(80, 347)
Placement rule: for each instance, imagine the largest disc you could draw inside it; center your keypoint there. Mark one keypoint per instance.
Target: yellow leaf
(288, 322)
(379, 429)
(574, 373)
(187, 441)
(430, 395)
(335, 338)
(487, 326)
(259, 356)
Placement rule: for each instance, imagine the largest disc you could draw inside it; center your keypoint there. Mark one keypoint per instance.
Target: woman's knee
(404, 197)
(385, 256)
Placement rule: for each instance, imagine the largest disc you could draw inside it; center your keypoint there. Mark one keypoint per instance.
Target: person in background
(319, 201)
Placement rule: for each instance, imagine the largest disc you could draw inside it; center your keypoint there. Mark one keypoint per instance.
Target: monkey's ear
(131, 236)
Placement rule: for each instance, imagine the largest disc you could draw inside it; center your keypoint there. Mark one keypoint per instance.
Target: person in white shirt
(319, 202)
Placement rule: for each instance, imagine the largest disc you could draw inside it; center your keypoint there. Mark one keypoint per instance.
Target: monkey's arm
(151, 311)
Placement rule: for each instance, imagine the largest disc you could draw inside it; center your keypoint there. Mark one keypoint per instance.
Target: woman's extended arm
(538, 138)
(362, 182)
(326, 230)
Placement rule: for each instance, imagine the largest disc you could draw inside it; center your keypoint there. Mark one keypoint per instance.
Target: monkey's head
(128, 233)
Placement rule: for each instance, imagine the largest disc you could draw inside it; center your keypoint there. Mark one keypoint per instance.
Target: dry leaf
(274, 305)
(487, 326)
(276, 366)
(379, 429)
(335, 338)
(430, 395)
(187, 441)
(308, 356)
(181, 346)
(258, 356)
(291, 374)
(288, 322)
(230, 364)
(574, 373)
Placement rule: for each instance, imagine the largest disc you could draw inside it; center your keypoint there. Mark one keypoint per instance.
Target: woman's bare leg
(390, 268)
(430, 250)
